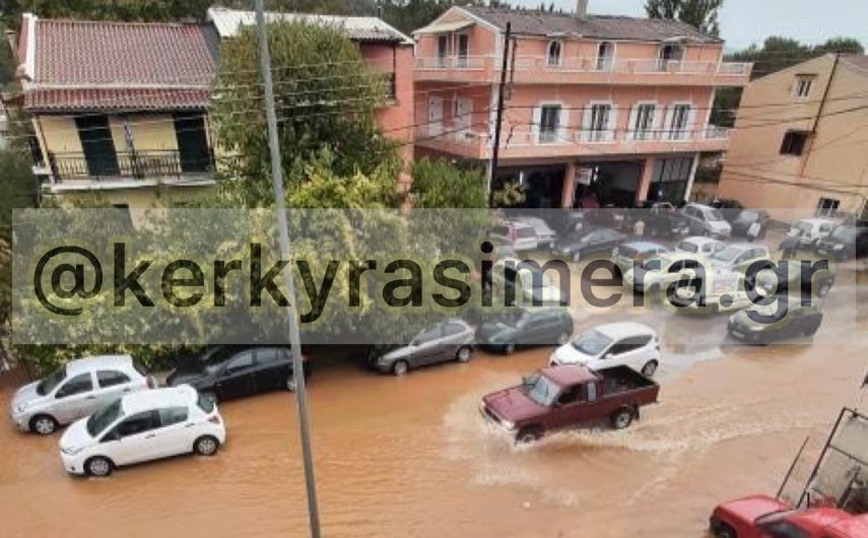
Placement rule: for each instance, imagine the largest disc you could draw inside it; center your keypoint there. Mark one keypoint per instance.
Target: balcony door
(192, 140)
(463, 42)
(97, 146)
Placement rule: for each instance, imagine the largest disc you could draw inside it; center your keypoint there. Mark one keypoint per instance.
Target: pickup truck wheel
(622, 418)
(528, 435)
(724, 531)
(464, 354)
(209, 395)
(563, 338)
(824, 290)
(400, 368)
(649, 368)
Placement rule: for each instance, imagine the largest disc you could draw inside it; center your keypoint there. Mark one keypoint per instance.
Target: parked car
(525, 327)
(746, 218)
(521, 235)
(143, 427)
(777, 323)
(811, 231)
(761, 516)
(578, 245)
(655, 274)
(627, 254)
(664, 220)
(228, 372)
(558, 397)
(76, 390)
(846, 242)
(613, 344)
(447, 341)
(566, 221)
(525, 282)
(724, 292)
(739, 256)
(545, 236)
(699, 245)
(705, 220)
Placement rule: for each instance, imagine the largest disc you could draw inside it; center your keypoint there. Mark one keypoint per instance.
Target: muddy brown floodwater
(411, 457)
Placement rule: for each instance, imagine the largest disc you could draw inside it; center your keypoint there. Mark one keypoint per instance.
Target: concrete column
(645, 180)
(569, 189)
(693, 168)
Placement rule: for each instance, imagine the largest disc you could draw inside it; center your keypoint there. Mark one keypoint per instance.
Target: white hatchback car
(142, 427)
(810, 231)
(614, 344)
(76, 390)
(703, 246)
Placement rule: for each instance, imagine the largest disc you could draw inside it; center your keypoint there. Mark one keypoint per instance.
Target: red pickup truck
(564, 396)
(761, 516)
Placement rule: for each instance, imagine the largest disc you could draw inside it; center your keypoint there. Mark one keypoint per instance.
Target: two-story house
(119, 109)
(609, 108)
(800, 143)
(384, 49)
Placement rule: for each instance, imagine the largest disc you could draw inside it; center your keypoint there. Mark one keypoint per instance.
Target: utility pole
(495, 154)
(292, 315)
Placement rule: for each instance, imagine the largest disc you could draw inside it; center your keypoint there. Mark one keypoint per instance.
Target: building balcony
(542, 70)
(78, 171)
(527, 143)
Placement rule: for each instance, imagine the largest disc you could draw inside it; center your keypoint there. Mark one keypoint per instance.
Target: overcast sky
(744, 22)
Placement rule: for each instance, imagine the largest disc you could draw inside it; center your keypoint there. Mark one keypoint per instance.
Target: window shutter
(535, 124)
(563, 124)
(612, 128)
(586, 123)
(667, 122)
(657, 122)
(692, 128)
(631, 123)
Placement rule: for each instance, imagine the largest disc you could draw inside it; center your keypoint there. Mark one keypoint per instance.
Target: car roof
(700, 240)
(88, 364)
(817, 220)
(571, 374)
(147, 400)
(624, 328)
(744, 246)
(644, 245)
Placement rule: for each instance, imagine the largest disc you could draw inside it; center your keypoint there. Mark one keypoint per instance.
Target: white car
(705, 220)
(529, 284)
(142, 427)
(810, 231)
(75, 390)
(521, 235)
(545, 235)
(703, 246)
(614, 344)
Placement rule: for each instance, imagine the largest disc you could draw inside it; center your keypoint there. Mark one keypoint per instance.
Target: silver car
(448, 340)
(76, 390)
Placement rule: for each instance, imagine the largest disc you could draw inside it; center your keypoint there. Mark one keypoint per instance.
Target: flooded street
(412, 457)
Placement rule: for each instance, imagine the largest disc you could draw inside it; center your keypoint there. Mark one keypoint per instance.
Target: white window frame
(605, 135)
(683, 134)
(563, 121)
(651, 132)
(560, 58)
(611, 63)
(834, 206)
(435, 127)
(803, 86)
(461, 124)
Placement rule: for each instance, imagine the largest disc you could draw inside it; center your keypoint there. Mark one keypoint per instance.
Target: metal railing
(69, 166)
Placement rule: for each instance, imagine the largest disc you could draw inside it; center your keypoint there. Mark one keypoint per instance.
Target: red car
(761, 516)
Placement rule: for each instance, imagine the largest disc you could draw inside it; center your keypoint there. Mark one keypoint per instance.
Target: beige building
(119, 110)
(800, 143)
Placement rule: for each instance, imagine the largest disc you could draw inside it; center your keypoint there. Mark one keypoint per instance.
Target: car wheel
(824, 290)
(209, 395)
(577, 256)
(528, 435)
(400, 368)
(464, 353)
(206, 445)
(99, 466)
(649, 368)
(811, 328)
(563, 338)
(43, 424)
(724, 531)
(290, 382)
(509, 349)
(622, 418)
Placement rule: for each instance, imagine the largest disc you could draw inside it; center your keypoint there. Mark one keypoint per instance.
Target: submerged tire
(622, 418)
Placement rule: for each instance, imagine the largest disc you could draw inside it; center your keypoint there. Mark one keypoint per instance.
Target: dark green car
(525, 328)
(772, 323)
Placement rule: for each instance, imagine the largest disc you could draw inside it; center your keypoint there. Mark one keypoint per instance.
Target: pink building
(614, 108)
(384, 48)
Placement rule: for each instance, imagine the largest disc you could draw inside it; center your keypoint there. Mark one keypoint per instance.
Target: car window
(524, 233)
(138, 423)
(77, 385)
(240, 362)
(783, 529)
(140, 368)
(205, 404)
(825, 227)
(630, 343)
(453, 329)
(173, 415)
(268, 355)
(427, 336)
(571, 395)
(111, 378)
(687, 246)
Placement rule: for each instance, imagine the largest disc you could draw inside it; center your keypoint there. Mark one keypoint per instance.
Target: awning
(445, 27)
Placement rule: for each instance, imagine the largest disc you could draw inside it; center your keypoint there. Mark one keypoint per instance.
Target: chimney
(581, 8)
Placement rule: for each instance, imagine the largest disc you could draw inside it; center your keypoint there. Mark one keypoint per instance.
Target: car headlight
(21, 407)
(71, 451)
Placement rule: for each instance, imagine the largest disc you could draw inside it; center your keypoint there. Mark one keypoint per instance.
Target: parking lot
(412, 457)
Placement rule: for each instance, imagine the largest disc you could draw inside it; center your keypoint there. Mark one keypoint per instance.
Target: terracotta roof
(84, 65)
(593, 26)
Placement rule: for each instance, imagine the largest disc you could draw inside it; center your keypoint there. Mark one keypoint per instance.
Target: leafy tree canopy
(701, 14)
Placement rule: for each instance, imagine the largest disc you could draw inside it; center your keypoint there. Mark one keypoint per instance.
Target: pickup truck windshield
(592, 342)
(541, 389)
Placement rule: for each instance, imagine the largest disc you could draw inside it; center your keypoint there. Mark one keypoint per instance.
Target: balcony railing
(135, 165)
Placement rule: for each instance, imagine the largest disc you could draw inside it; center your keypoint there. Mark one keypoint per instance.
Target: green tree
(701, 14)
(17, 190)
(440, 184)
(326, 100)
